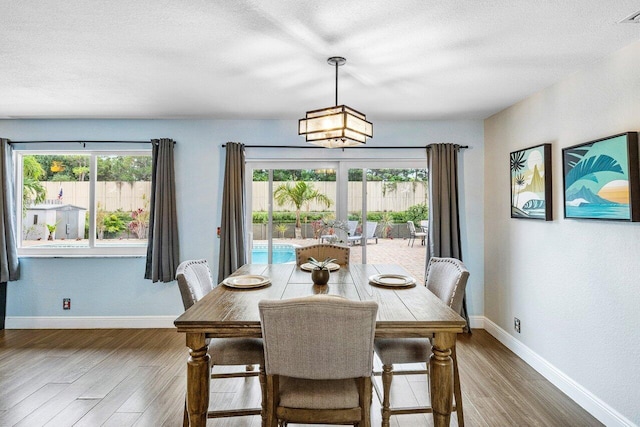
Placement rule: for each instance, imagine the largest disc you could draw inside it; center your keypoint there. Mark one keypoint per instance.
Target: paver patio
(386, 251)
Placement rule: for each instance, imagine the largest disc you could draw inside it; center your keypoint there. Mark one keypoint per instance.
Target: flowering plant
(139, 224)
(331, 225)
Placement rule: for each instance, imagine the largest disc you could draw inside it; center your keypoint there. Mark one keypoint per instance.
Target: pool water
(282, 254)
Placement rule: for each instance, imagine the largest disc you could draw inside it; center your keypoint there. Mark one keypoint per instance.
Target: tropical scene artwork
(600, 178)
(531, 183)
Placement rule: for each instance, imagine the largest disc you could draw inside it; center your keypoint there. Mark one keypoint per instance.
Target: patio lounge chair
(353, 226)
(370, 233)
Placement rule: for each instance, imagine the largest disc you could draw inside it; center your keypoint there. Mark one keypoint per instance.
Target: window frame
(93, 250)
(340, 165)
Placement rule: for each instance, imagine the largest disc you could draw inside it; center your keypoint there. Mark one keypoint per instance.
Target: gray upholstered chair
(413, 233)
(322, 252)
(447, 279)
(194, 281)
(318, 359)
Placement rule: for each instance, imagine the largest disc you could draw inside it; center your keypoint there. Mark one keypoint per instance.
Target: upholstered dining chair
(318, 359)
(413, 233)
(447, 279)
(194, 281)
(322, 252)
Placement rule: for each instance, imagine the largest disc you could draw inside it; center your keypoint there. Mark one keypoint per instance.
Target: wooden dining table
(403, 312)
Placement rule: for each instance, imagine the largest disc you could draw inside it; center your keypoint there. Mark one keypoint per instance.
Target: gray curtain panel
(9, 264)
(9, 267)
(163, 254)
(232, 231)
(444, 217)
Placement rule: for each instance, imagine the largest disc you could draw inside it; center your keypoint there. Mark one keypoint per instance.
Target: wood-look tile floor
(137, 378)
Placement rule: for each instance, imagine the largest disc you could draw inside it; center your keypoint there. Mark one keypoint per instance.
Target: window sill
(121, 252)
(88, 255)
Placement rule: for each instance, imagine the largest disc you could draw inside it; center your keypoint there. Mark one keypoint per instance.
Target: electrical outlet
(66, 303)
(516, 324)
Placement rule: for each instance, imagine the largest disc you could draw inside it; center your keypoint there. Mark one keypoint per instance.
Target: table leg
(441, 378)
(198, 372)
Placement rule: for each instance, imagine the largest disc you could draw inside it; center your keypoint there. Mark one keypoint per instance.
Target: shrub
(374, 216)
(261, 217)
(398, 217)
(114, 224)
(417, 213)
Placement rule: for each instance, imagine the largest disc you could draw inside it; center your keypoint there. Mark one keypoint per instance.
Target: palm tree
(299, 195)
(516, 165)
(578, 166)
(281, 228)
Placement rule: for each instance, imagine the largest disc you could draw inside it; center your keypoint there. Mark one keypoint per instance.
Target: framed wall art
(601, 179)
(531, 183)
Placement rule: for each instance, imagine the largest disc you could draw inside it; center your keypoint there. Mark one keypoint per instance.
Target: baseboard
(477, 322)
(89, 322)
(583, 397)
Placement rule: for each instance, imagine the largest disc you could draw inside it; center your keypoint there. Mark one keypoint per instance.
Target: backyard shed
(70, 221)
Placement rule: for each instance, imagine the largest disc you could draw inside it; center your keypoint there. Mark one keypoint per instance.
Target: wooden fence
(112, 195)
(381, 196)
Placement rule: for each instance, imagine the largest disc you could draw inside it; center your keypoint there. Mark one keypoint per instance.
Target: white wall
(115, 286)
(572, 283)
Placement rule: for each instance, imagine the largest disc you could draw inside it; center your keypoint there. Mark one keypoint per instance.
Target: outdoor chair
(194, 281)
(413, 233)
(369, 235)
(447, 279)
(318, 359)
(353, 226)
(321, 252)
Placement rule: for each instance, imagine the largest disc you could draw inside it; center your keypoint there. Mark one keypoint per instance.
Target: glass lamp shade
(335, 127)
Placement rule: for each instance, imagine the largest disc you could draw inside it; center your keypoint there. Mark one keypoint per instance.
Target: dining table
(403, 312)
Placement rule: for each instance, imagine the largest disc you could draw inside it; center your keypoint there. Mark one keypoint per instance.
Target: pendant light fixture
(335, 127)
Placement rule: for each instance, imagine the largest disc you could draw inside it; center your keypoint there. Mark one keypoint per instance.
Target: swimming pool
(282, 254)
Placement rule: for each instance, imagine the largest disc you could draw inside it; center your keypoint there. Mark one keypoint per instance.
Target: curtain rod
(359, 148)
(83, 141)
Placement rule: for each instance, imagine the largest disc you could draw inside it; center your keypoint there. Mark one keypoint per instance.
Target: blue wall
(115, 286)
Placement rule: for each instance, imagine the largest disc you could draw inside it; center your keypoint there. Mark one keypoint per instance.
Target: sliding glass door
(362, 204)
(291, 208)
(382, 201)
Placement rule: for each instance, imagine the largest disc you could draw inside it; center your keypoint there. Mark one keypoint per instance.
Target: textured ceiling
(419, 59)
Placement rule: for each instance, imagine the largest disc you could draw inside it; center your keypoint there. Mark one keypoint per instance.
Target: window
(83, 203)
(305, 202)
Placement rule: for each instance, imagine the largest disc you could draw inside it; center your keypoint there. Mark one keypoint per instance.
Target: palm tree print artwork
(601, 178)
(531, 183)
